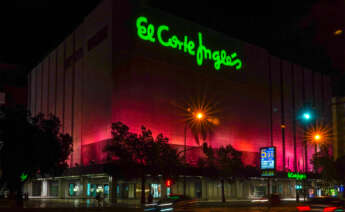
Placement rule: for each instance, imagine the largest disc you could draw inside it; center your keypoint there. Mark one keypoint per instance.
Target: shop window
(53, 188)
(118, 190)
(131, 191)
(106, 190)
(124, 191)
(93, 190)
(198, 190)
(168, 191)
(156, 190)
(138, 189)
(36, 188)
(73, 189)
(260, 191)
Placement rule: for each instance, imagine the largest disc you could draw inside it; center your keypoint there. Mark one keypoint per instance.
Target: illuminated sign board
(267, 173)
(163, 36)
(297, 176)
(268, 158)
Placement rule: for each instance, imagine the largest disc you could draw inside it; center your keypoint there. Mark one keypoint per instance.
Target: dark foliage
(32, 146)
(141, 155)
(224, 163)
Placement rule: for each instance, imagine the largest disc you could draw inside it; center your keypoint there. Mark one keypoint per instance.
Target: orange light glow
(317, 137)
(199, 116)
(338, 32)
(320, 134)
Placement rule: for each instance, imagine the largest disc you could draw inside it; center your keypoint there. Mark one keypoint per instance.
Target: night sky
(301, 31)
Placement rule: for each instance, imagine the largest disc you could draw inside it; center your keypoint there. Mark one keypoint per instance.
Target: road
(91, 205)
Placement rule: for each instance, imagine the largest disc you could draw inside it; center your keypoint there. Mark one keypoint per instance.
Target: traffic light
(168, 183)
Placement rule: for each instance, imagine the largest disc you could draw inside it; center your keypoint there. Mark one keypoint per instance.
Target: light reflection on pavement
(92, 203)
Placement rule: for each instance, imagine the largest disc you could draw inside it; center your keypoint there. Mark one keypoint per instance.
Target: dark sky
(290, 29)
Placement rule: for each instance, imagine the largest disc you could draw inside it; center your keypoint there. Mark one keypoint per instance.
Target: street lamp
(306, 116)
(195, 116)
(317, 137)
(199, 115)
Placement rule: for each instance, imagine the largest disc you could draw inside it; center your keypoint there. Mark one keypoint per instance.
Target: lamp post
(307, 117)
(197, 116)
(317, 138)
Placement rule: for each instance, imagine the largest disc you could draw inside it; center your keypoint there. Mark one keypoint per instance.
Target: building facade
(142, 66)
(338, 114)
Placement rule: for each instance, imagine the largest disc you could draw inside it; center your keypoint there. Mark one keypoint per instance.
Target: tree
(325, 165)
(145, 154)
(330, 170)
(340, 170)
(32, 145)
(224, 163)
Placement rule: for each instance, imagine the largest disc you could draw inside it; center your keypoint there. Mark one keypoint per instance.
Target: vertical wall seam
(56, 79)
(42, 83)
(271, 97)
(313, 88)
(63, 86)
(36, 90)
(323, 99)
(294, 116)
(29, 106)
(304, 128)
(81, 102)
(73, 78)
(282, 110)
(48, 85)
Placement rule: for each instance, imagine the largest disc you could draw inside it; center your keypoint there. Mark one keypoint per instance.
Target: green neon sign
(146, 31)
(297, 176)
(23, 177)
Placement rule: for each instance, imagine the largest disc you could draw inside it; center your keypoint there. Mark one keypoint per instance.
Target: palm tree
(225, 163)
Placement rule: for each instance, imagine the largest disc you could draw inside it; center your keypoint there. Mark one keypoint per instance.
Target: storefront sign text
(297, 176)
(161, 34)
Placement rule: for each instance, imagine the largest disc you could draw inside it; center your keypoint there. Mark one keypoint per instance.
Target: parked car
(325, 204)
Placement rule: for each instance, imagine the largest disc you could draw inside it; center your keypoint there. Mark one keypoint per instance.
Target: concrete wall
(74, 81)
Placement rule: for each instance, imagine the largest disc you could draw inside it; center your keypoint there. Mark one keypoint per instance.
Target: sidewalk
(92, 203)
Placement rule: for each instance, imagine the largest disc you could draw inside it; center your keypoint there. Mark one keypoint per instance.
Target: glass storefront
(53, 188)
(198, 190)
(75, 189)
(156, 190)
(72, 189)
(93, 189)
(36, 188)
(106, 190)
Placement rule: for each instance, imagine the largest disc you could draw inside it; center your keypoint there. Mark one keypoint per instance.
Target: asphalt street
(57, 205)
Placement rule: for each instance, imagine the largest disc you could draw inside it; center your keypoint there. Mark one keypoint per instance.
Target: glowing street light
(338, 32)
(317, 137)
(306, 116)
(199, 115)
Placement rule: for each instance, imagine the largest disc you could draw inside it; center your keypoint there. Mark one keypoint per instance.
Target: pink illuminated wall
(123, 78)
